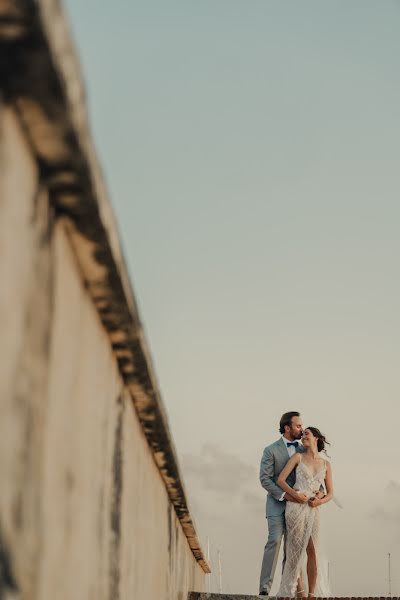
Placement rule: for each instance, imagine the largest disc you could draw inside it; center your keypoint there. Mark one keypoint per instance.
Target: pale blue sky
(251, 150)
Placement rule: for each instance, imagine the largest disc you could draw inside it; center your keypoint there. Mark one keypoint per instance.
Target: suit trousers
(276, 531)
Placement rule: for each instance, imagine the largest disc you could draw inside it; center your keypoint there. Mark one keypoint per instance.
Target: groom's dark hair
(286, 419)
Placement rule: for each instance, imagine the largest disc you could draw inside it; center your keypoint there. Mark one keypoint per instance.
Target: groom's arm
(266, 475)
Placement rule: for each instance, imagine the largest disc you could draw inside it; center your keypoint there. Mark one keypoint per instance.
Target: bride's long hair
(321, 439)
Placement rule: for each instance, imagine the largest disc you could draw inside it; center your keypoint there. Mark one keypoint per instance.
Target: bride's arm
(281, 481)
(329, 487)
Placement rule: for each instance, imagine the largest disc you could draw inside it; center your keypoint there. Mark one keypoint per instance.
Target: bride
(303, 517)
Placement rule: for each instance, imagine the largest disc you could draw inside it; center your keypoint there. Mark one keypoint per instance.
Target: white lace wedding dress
(303, 523)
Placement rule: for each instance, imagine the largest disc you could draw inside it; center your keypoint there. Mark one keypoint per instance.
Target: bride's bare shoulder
(295, 459)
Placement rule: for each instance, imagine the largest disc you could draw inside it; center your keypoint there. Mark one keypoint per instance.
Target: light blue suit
(273, 461)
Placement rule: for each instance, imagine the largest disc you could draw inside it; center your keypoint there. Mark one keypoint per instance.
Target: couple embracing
(298, 479)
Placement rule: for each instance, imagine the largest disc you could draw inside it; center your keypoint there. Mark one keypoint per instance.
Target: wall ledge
(40, 78)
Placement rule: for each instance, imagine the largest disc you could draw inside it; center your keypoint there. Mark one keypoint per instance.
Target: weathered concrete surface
(92, 505)
(206, 596)
(40, 77)
(199, 596)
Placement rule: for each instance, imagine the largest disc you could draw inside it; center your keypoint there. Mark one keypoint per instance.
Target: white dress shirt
(291, 449)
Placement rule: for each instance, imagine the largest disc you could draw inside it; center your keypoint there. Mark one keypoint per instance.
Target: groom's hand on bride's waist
(301, 498)
(290, 498)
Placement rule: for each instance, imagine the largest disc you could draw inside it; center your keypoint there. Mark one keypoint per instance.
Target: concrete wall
(84, 510)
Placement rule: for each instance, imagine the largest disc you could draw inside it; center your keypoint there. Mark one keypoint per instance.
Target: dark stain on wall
(169, 531)
(8, 583)
(29, 403)
(115, 516)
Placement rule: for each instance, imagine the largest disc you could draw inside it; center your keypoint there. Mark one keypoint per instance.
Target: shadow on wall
(8, 586)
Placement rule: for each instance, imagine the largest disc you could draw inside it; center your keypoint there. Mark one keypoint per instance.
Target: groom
(273, 461)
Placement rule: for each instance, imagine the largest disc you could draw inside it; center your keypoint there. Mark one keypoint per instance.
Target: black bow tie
(295, 444)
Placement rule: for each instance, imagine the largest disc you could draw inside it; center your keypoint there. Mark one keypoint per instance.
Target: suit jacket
(273, 462)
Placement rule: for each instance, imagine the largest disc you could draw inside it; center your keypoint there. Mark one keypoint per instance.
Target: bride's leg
(300, 588)
(311, 567)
